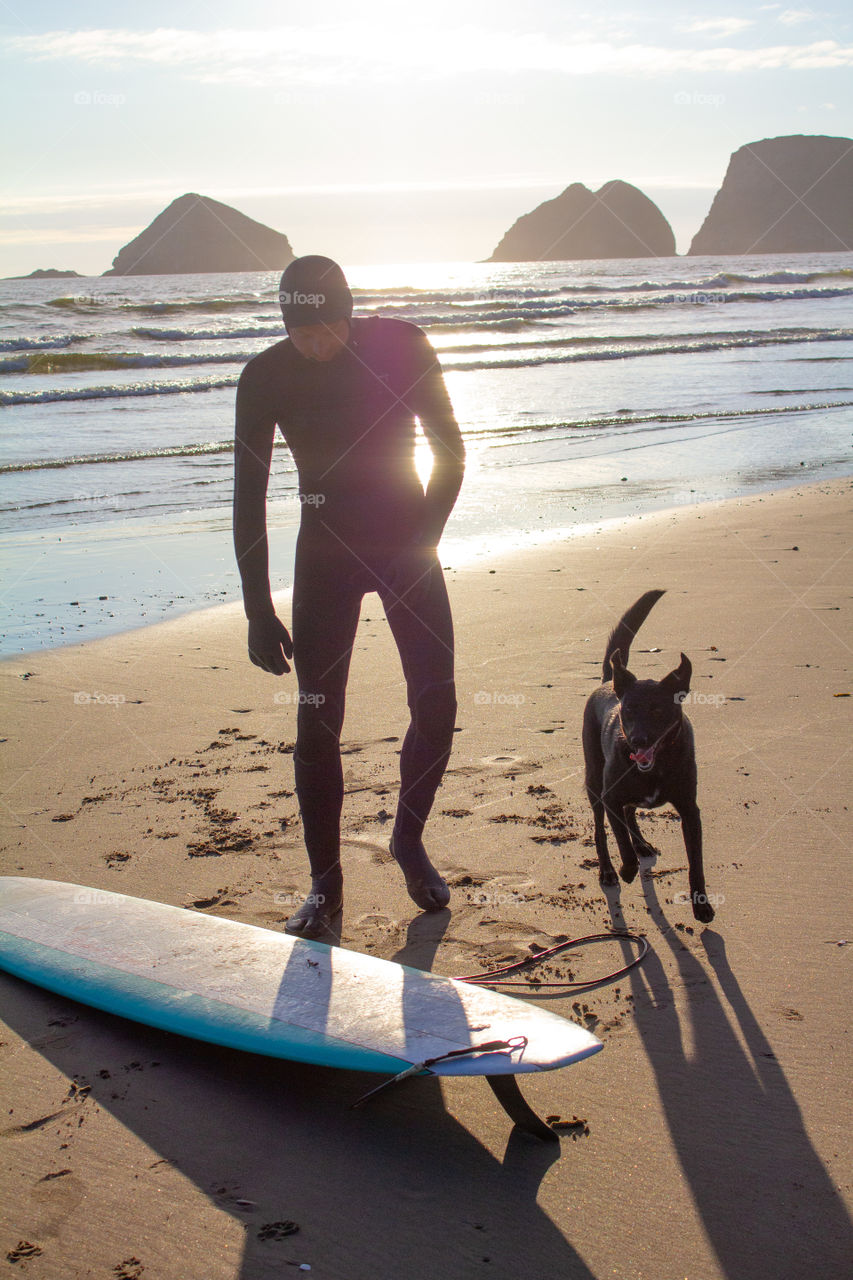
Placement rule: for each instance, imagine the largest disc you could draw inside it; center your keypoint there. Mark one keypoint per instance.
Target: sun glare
(423, 458)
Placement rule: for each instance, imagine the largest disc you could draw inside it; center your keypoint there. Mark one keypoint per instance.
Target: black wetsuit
(350, 425)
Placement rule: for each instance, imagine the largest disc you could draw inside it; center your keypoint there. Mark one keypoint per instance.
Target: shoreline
(188, 551)
(724, 1057)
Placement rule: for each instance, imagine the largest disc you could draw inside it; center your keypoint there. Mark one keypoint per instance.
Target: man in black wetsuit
(345, 394)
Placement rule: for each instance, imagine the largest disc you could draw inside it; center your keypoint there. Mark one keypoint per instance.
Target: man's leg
(424, 635)
(325, 616)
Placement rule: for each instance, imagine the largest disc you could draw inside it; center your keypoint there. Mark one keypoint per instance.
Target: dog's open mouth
(644, 758)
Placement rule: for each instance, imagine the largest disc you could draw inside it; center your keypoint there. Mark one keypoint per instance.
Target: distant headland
(47, 273)
(783, 195)
(617, 221)
(197, 234)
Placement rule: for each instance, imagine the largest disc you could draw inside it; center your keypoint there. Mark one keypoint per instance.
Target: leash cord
(489, 977)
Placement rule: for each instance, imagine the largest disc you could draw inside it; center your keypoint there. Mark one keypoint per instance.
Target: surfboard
(250, 988)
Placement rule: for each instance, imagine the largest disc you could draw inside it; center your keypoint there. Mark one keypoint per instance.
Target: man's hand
(408, 575)
(270, 644)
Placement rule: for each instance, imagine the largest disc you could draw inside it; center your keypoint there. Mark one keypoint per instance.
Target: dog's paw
(628, 871)
(608, 878)
(643, 849)
(703, 911)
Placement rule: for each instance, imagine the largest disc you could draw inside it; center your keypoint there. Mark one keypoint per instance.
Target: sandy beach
(716, 1141)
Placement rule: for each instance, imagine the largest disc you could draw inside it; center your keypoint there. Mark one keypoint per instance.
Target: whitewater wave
(665, 347)
(117, 392)
(40, 344)
(508, 292)
(620, 420)
(194, 335)
(42, 363)
(614, 348)
(104, 361)
(130, 455)
(89, 302)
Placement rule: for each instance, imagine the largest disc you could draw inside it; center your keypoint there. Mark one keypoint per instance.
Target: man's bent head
(314, 290)
(316, 305)
(319, 341)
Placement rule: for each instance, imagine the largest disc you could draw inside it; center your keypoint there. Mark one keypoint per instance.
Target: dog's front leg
(622, 832)
(691, 827)
(641, 845)
(606, 873)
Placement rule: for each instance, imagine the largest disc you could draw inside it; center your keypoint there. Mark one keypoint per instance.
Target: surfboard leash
(495, 977)
(516, 1043)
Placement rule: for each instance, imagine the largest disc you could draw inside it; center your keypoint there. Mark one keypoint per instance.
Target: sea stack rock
(617, 221)
(783, 195)
(48, 273)
(196, 233)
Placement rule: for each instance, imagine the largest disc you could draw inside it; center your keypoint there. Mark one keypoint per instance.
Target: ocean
(586, 391)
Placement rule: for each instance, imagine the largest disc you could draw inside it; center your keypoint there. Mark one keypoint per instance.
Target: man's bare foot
(426, 887)
(316, 917)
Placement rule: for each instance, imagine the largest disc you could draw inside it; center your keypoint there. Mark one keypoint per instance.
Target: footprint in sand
(23, 1250)
(116, 860)
(57, 1196)
(375, 931)
(380, 853)
(510, 766)
(128, 1269)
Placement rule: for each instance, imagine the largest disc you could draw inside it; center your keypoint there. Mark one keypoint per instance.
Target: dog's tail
(625, 630)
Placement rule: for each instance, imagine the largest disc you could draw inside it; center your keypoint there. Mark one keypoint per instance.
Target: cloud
(352, 53)
(793, 17)
(717, 28)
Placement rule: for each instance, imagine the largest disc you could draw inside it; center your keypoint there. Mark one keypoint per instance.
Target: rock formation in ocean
(617, 221)
(47, 273)
(196, 233)
(783, 195)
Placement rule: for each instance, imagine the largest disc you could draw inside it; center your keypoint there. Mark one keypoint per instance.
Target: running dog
(638, 749)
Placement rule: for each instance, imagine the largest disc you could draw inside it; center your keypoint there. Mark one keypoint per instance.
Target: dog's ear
(622, 677)
(678, 681)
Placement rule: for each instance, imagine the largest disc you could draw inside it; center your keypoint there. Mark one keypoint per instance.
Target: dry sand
(157, 763)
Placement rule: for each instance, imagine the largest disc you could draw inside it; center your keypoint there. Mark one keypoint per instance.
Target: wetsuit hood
(314, 290)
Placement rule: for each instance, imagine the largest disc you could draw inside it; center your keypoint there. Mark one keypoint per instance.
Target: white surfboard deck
(248, 988)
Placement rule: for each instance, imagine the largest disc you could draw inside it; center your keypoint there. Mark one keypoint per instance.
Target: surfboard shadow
(734, 1121)
(401, 1188)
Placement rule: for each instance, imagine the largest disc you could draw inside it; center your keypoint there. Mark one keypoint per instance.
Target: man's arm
(429, 399)
(269, 641)
(409, 574)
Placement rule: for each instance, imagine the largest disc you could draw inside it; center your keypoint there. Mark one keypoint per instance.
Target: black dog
(638, 748)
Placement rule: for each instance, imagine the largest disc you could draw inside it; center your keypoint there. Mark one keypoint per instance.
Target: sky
(383, 132)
